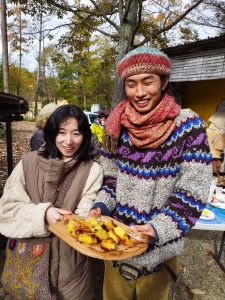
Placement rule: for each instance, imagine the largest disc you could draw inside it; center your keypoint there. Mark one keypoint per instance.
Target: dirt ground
(200, 277)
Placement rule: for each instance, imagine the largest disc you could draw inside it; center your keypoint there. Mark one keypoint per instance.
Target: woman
(60, 175)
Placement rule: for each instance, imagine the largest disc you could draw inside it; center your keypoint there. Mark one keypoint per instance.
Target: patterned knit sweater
(166, 187)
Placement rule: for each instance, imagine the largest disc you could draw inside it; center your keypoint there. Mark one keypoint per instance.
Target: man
(98, 125)
(157, 168)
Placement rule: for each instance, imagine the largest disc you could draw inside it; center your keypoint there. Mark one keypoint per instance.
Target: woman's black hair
(51, 129)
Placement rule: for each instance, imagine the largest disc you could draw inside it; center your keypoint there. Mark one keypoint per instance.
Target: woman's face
(68, 139)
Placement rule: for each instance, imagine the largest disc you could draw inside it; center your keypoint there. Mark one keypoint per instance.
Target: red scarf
(145, 130)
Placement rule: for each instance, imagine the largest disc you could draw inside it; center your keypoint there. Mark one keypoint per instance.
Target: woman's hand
(95, 212)
(145, 229)
(53, 214)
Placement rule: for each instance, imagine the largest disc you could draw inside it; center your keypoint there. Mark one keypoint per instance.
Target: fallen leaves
(21, 134)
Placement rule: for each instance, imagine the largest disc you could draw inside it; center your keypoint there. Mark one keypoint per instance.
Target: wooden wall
(202, 96)
(203, 65)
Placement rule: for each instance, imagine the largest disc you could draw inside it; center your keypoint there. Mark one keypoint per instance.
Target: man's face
(144, 91)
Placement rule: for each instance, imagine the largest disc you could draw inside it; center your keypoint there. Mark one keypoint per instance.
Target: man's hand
(53, 214)
(95, 212)
(145, 229)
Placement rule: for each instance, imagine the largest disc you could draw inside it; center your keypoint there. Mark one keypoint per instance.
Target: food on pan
(105, 233)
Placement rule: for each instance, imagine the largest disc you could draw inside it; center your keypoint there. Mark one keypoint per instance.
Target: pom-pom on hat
(144, 60)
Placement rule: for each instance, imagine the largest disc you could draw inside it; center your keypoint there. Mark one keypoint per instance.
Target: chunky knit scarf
(145, 130)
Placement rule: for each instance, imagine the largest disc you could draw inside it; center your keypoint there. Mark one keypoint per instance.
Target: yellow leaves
(15, 10)
(160, 17)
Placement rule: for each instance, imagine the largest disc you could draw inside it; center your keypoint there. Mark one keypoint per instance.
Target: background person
(37, 138)
(216, 137)
(96, 145)
(157, 175)
(60, 175)
(98, 125)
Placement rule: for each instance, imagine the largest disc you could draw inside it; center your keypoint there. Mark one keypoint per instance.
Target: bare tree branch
(127, 9)
(113, 12)
(113, 36)
(121, 11)
(180, 18)
(67, 7)
(139, 17)
(72, 23)
(49, 29)
(82, 9)
(105, 16)
(206, 21)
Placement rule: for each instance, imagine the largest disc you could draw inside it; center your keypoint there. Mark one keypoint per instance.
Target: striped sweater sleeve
(106, 198)
(185, 204)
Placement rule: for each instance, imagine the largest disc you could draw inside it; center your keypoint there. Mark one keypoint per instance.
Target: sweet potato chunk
(108, 244)
(87, 238)
(120, 232)
(101, 234)
(70, 226)
(108, 225)
(114, 237)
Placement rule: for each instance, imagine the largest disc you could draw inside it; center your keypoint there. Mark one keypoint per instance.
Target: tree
(49, 84)
(129, 23)
(85, 77)
(5, 57)
(16, 38)
(38, 15)
(27, 81)
(38, 60)
(216, 20)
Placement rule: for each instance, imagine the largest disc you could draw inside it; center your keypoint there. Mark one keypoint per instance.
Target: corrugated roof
(201, 60)
(201, 45)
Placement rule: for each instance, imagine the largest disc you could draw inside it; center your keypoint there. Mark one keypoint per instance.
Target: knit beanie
(144, 60)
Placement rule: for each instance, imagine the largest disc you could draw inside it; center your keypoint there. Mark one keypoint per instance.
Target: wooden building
(198, 73)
